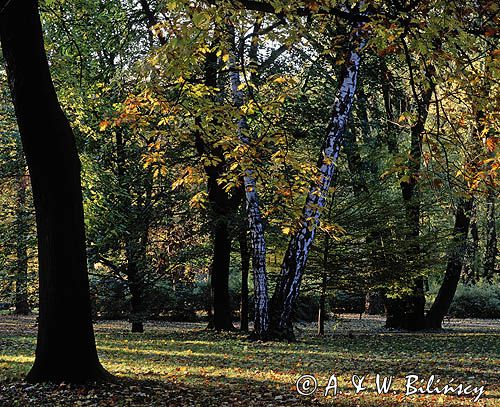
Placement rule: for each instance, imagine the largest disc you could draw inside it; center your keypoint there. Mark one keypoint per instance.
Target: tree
(66, 348)
(292, 269)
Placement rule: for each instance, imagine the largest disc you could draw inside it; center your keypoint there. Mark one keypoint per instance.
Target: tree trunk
(287, 288)
(245, 267)
(408, 312)
(374, 303)
(65, 346)
(456, 253)
(135, 239)
(136, 287)
(255, 221)
(220, 276)
(491, 236)
(22, 305)
(470, 273)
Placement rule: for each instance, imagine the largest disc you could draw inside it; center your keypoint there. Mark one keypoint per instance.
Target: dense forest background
(183, 110)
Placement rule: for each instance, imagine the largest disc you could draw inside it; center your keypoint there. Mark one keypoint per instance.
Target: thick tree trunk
(245, 267)
(65, 346)
(456, 253)
(255, 221)
(287, 288)
(220, 276)
(491, 250)
(22, 305)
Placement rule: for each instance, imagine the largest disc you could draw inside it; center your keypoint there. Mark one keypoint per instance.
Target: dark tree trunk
(374, 303)
(470, 273)
(408, 311)
(245, 267)
(65, 346)
(136, 287)
(456, 253)
(135, 246)
(22, 305)
(491, 236)
(220, 276)
(223, 207)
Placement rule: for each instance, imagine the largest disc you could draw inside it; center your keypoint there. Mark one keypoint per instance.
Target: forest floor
(182, 364)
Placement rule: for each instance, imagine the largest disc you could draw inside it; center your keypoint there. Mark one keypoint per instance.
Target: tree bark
(287, 288)
(470, 267)
(255, 221)
(245, 267)
(220, 276)
(65, 345)
(454, 266)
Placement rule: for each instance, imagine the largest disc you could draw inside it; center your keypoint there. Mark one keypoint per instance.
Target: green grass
(188, 365)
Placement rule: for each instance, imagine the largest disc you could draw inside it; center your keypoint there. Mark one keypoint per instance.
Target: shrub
(481, 301)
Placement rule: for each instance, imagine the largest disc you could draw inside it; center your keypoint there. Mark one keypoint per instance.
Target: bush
(481, 301)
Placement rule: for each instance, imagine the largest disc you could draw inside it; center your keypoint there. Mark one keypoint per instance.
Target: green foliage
(481, 301)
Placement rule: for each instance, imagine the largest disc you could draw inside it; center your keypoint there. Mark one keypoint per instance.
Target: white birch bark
(296, 255)
(255, 222)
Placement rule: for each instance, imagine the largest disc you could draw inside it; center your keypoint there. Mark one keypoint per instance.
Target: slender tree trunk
(470, 267)
(255, 221)
(491, 236)
(324, 286)
(456, 253)
(136, 286)
(22, 305)
(245, 267)
(135, 239)
(287, 288)
(324, 278)
(65, 346)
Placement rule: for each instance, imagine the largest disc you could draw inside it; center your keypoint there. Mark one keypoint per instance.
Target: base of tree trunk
(407, 314)
(282, 334)
(22, 310)
(374, 303)
(435, 325)
(51, 372)
(137, 327)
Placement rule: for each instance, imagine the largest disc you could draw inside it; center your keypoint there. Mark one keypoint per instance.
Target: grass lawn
(183, 364)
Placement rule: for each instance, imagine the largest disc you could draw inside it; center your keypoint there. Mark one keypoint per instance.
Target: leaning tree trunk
(65, 346)
(454, 266)
(287, 288)
(255, 221)
(22, 228)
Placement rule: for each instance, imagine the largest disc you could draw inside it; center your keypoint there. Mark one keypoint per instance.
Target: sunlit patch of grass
(209, 363)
